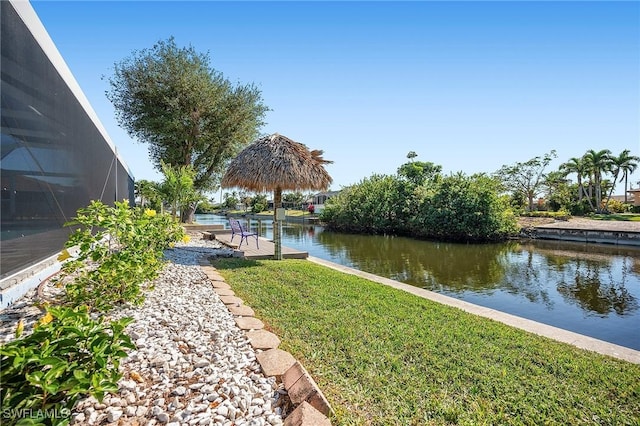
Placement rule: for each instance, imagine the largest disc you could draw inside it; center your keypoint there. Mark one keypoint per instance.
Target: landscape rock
(190, 353)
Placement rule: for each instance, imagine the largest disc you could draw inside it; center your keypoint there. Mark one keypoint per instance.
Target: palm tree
(177, 189)
(579, 167)
(147, 191)
(598, 162)
(626, 164)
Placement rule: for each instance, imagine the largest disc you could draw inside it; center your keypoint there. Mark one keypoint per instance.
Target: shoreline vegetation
(524, 223)
(386, 357)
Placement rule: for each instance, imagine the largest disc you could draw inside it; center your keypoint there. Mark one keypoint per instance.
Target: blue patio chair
(237, 228)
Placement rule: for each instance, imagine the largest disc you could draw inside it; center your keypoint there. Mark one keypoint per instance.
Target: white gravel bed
(192, 365)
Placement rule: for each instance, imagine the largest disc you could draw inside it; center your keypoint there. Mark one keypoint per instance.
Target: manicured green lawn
(386, 357)
(619, 216)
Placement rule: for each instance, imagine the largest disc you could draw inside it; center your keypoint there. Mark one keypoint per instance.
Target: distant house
(633, 196)
(319, 200)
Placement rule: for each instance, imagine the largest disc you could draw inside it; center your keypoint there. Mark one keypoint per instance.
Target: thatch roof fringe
(276, 161)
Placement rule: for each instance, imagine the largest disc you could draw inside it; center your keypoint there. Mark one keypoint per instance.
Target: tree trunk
(580, 189)
(277, 242)
(598, 193)
(589, 196)
(625, 188)
(187, 215)
(606, 205)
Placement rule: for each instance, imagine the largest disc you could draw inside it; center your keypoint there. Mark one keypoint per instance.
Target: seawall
(582, 230)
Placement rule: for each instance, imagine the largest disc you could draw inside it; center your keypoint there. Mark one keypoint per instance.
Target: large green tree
(419, 172)
(556, 190)
(294, 199)
(526, 178)
(187, 112)
(230, 200)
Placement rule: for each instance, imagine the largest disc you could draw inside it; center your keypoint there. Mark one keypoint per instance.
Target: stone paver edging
(312, 408)
(575, 339)
(262, 339)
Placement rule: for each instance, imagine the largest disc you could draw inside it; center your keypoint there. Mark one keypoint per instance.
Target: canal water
(585, 288)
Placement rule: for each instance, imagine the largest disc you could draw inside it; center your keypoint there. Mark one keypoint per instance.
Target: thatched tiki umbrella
(276, 163)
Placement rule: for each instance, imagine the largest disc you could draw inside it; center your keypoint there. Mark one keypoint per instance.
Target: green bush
(119, 249)
(579, 208)
(457, 208)
(258, 203)
(375, 205)
(68, 356)
(258, 207)
(465, 208)
(230, 203)
(616, 206)
(205, 207)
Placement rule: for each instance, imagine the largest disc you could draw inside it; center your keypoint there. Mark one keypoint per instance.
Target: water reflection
(590, 282)
(525, 278)
(590, 289)
(430, 265)
(594, 278)
(597, 287)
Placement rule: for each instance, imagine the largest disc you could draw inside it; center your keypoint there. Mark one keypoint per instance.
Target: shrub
(258, 203)
(375, 205)
(458, 207)
(615, 206)
(230, 203)
(258, 207)
(119, 249)
(205, 207)
(67, 356)
(465, 208)
(577, 208)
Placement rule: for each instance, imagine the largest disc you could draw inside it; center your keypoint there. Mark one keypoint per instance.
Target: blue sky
(467, 85)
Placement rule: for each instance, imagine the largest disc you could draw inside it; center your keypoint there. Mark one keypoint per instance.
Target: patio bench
(237, 228)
